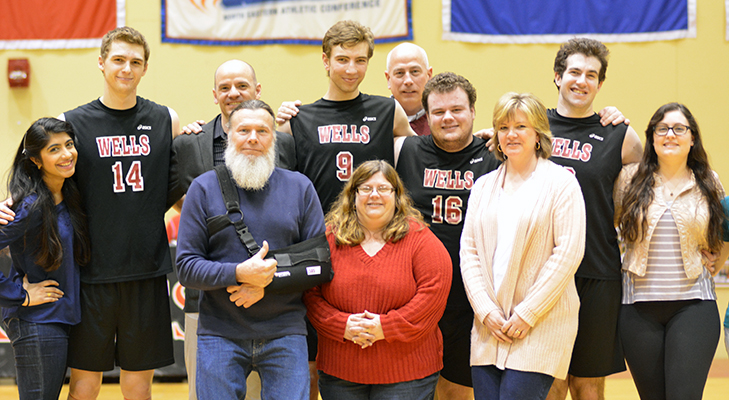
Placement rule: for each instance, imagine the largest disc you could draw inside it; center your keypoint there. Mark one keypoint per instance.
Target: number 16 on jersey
(450, 212)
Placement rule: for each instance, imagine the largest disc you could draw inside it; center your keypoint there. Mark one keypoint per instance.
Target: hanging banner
(239, 22)
(726, 6)
(57, 24)
(556, 21)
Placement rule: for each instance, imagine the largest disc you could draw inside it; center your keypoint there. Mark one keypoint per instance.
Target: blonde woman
(523, 239)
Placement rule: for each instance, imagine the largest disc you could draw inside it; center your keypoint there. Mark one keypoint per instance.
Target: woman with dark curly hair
(48, 241)
(378, 318)
(668, 209)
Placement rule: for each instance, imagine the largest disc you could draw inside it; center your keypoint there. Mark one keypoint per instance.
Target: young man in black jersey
(125, 142)
(439, 171)
(345, 127)
(595, 154)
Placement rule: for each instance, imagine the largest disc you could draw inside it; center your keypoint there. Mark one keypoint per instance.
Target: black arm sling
(299, 267)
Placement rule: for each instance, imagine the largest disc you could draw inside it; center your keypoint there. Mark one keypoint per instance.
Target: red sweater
(407, 283)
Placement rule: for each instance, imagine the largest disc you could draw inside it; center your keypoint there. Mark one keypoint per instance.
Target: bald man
(235, 83)
(407, 72)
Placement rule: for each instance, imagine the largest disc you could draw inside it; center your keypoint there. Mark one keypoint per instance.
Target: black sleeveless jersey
(594, 154)
(440, 184)
(122, 174)
(333, 137)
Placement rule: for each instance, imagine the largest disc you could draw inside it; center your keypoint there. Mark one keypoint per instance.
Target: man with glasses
(595, 154)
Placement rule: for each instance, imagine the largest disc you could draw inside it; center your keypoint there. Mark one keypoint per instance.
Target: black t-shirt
(594, 154)
(333, 137)
(122, 174)
(440, 184)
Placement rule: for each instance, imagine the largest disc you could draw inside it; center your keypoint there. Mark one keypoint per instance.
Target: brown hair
(446, 82)
(587, 47)
(536, 114)
(348, 34)
(124, 34)
(342, 219)
(632, 220)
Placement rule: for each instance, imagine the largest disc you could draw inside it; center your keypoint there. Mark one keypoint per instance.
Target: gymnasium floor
(618, 387)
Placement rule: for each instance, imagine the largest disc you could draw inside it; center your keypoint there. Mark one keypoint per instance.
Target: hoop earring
(538, 146)
(498, 147)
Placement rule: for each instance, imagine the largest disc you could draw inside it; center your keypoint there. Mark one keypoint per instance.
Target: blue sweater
(23, 250)
(286, 211)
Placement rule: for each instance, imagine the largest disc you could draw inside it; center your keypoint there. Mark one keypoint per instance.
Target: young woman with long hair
(48, 242)
(668, 209)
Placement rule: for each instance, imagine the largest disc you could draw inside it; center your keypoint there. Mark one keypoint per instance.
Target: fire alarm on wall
(18, 72)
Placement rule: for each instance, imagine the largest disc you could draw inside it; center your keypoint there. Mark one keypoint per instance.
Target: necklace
(672, 188)
(670, 191)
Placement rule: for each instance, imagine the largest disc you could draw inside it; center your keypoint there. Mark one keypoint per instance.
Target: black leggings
(669, 346)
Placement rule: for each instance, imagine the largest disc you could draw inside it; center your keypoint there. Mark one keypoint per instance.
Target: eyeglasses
(678, 129)
(381, 190)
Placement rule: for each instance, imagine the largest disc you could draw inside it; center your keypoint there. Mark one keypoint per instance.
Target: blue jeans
(40, 357)
(333, 388)
(223, 365)
(492, 383)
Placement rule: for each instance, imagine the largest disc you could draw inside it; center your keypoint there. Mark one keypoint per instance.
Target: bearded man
(241, 328)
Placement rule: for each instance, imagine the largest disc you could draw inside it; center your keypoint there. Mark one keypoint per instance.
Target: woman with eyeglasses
(378, 318)
(668, 209)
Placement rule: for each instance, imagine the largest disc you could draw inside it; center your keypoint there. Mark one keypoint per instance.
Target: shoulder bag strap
(230, 197)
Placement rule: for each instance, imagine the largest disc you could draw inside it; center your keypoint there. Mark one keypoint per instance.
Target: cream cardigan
(539, 285)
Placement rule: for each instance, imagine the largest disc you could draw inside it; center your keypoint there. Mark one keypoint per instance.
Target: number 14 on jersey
(133, 178)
